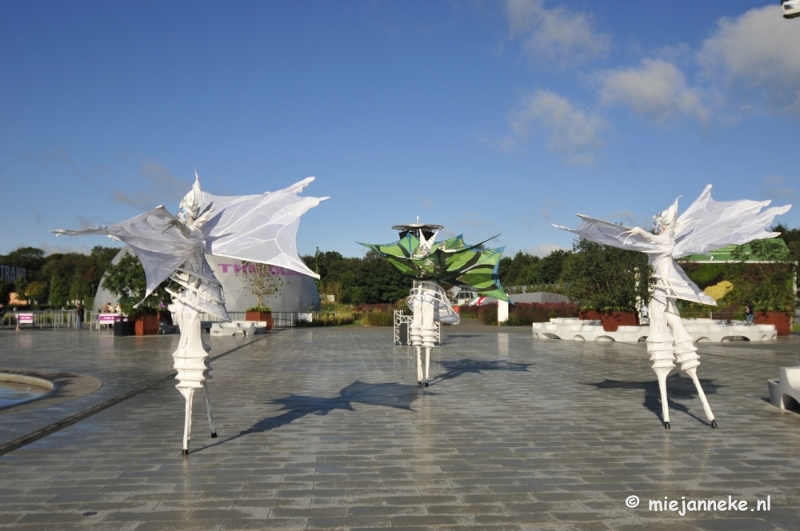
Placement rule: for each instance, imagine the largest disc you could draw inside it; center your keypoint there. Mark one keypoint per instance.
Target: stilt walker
(257, 228)
(705, 226)
(417, 256)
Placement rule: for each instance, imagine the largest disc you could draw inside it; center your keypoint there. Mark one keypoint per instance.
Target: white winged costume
(257, 228)
(705, 226)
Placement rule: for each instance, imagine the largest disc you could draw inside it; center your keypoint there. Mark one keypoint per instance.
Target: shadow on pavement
(677, 388)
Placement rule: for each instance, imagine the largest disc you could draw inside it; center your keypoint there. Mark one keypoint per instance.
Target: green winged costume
(451, 261)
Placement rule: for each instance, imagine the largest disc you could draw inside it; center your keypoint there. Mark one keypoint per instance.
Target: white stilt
(208, 411)
(420, 375)
(693, 374)
(662, 373)
(427, 364)
(188, 394)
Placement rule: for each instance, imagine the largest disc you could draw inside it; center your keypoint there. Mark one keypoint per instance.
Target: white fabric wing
(708, 224)
(598, 231)
(259, 228)
(158, 239)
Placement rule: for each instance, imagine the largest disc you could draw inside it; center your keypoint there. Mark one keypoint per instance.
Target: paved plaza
(327, 429)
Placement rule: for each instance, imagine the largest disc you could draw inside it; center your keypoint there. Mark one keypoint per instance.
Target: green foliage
(792, 239)
(127, 281)
(529, 270)
(705, 274)
(341, 317)
(21, 287)
(37, 290)
(62, 277)
(604, 278)
(694, 310)
(31, 258)
(368, 280)
(767, 286)
(59, 292)
(262, 309)
(487, 313)
(4, 291)
(380, 318)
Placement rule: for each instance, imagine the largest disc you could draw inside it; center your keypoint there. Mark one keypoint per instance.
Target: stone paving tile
(326, 429)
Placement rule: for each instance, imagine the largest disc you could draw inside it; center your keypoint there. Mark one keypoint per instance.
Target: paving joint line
(86, 413)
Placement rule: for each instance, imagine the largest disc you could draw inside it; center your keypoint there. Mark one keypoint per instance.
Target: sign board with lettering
(106, 318)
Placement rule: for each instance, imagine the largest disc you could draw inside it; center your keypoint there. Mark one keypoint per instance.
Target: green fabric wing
(451, 261)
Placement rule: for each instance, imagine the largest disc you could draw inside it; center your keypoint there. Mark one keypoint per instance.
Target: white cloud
(164, 188)
(572, 134)
(47, 159)
(655, 89)
(777, 187)
(757, 57)
(545, 249)
(63, 249)
(556, 35)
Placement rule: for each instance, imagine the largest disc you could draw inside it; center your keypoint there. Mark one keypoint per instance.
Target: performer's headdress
(191, 202)
(667, 218)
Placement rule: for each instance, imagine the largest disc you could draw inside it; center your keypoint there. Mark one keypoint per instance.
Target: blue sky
(487, 117)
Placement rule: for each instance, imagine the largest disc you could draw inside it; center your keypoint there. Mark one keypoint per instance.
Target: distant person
(107, 309)
(2, 314)
(79, 314)
(748, 313)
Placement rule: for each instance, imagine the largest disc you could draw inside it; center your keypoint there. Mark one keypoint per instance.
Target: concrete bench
(702, 330)
(246, 328)
(787, 386)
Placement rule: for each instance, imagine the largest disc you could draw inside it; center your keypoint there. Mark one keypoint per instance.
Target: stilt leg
(427, 365)
(662, 373)
(187, 425)
(419, 365)
(693, 374)
(208, 411)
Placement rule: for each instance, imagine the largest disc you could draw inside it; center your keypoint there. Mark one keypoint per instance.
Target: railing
(42, 319)
(279, 319)
(68, 319)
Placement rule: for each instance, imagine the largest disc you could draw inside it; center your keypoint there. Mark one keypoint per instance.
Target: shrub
(338, 318)
(385, 318)
(524, 314)
(487, 314)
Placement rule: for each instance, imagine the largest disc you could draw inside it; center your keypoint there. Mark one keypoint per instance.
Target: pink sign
(25, 318)
(108, 317)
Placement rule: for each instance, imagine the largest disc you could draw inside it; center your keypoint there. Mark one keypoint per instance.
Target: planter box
(611, 320)
(260, 316)
(146, 325)
(780, 319)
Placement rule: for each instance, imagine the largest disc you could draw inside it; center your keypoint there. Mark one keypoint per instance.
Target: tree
(551, 266)
(128, 282)
(37, 290)
(604, 278)
(380, 282)
(59, 292)
(31, 258)
(262, 281)
(4, 291)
